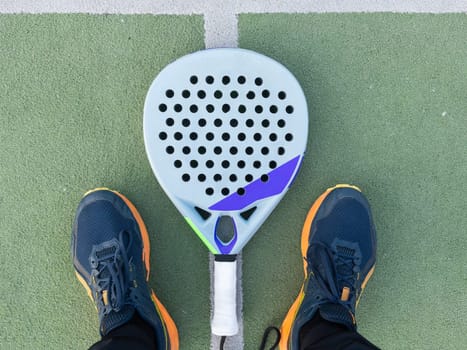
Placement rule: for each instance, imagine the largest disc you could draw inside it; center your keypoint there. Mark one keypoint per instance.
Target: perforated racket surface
(225, 132)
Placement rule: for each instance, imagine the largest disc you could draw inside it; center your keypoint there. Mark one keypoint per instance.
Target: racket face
(225, 131)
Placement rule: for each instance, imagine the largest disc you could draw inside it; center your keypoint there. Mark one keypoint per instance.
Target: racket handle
(224, 321)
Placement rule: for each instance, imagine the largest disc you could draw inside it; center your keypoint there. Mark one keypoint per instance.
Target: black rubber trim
(225, 257)
(247, 213)
(203, 213)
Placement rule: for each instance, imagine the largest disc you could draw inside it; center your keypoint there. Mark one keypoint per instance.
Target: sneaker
(339, 253)
(110, 251)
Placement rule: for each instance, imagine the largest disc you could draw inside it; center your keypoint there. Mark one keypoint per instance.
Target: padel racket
(225, 131)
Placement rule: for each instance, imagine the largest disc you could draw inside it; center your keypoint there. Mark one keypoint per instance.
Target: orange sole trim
(144, 232)
(286, 326)
(364, 283)
(85, 285)
(170, 326)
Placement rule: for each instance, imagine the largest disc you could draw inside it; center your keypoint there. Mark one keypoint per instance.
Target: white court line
(339, 6)
(220, 16)
(221, 30)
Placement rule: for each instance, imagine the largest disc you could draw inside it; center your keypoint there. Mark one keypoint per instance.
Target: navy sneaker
(339, 251)
(110, 251)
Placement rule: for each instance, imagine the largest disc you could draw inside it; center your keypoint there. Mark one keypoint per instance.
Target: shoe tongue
(116, 319)
(345, 251)
(337, 313)
(105, 255)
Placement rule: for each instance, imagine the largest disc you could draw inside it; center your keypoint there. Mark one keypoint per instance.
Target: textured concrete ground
(386, 94)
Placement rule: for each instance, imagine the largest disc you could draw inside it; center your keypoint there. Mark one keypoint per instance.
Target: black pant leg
(134, 335)
(320, 334)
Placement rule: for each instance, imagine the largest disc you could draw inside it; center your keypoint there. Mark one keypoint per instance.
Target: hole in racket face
(223, 132)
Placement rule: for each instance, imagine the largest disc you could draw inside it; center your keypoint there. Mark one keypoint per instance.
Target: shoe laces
(111, 274)
(345, 257)
(337, 285)
(268, 331)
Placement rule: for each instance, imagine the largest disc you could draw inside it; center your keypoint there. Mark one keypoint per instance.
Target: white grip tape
(224, 321)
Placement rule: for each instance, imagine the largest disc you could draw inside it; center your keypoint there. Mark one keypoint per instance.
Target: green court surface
(387, 95)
